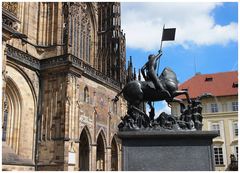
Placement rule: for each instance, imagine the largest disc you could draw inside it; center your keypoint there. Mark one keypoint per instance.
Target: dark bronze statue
(166, 121)
(197, 114)
(233, 166)
(136, 92)
(158, 88)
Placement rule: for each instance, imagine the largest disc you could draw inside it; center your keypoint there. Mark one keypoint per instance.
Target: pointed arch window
(82, 31)
(86, 95)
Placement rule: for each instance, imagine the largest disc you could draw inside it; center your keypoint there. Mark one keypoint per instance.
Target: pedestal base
(167, 150)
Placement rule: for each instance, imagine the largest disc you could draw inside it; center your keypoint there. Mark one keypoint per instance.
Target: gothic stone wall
(65, 113)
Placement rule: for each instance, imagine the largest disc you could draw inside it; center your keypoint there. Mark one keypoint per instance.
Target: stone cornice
(53, 62)
(67, 60)
(91, 72)
(22, 58)
(220, 114)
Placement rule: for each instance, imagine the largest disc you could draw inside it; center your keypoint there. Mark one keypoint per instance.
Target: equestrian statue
(163, 87)
(154, 88)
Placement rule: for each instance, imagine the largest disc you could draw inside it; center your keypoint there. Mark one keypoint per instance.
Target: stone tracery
(81, 31)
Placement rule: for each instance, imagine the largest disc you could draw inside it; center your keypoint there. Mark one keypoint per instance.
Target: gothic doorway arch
(100, 153)
(84, 151)
(114, 154)
(20, 113)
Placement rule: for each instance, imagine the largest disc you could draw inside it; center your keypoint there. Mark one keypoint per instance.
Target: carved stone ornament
(10, 7)
(22, 57)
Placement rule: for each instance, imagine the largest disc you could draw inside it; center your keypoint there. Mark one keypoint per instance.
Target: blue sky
(206, 36)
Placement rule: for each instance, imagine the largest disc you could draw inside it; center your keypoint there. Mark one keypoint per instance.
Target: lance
(160, 51)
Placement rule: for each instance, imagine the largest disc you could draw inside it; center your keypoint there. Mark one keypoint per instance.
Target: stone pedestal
(167, 150)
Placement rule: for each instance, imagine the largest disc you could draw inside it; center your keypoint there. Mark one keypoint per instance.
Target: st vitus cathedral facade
(63, 62)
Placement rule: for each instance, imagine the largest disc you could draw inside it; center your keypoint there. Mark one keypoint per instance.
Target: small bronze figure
(233, 166)
(150, 68)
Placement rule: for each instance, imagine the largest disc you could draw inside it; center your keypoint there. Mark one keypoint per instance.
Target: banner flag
(168, 34)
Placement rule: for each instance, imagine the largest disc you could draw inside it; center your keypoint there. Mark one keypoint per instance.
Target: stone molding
(67, 60)
(53, 62)
(167, 134)
(22, 57)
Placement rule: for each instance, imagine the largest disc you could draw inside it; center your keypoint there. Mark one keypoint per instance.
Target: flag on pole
(168, 34)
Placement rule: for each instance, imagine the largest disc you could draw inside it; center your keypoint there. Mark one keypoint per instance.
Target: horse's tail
(116, 98)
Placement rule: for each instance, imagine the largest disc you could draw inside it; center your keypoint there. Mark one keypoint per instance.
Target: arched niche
(84, 150)
(101, 146)
(114, 155)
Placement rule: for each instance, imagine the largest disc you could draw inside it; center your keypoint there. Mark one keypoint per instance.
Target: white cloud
(162, 107)
(143, 22)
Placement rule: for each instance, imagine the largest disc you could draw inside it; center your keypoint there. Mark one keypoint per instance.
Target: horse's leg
(150, 104)
(181, 92)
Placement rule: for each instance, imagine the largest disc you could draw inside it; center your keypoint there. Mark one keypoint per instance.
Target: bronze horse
(136, 92)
